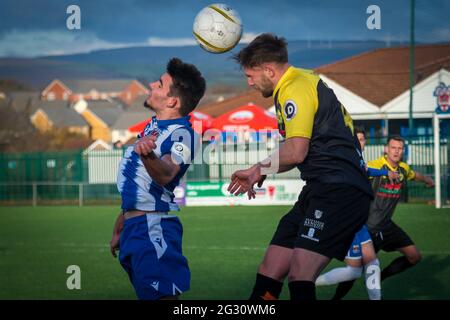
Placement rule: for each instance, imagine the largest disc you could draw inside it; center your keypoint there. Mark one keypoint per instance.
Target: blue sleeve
(180, 146)
(372, 172)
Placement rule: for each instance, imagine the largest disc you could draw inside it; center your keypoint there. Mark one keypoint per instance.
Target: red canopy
(246, 117)
(138, 127)
(199, 120)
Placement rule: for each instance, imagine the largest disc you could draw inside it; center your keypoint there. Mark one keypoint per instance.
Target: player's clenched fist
(145, 145)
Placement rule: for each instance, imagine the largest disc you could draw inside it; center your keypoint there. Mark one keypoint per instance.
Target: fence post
(220, 161)
(34, 194)
(80, 194)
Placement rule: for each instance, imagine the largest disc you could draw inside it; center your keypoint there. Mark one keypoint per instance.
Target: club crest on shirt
(181, 151)
(179, 148)
(318, 214)
(151, 130)
(290, 109)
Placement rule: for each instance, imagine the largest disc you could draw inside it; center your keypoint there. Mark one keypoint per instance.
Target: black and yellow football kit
(307, 108)
(334, 204)
(386, 234)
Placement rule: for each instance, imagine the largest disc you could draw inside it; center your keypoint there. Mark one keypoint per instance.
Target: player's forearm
(158, 169)
(286, 168)
(266, 168)
(422, 178)
(118, 225)
(287, 157)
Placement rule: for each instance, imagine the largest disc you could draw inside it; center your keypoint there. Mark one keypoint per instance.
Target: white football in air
(217, 28)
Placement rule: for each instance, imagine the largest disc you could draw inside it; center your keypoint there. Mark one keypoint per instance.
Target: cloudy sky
(31, 28)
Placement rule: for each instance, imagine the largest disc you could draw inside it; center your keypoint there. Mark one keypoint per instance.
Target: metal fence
(51, 193)
(88, 178)
(42, 166)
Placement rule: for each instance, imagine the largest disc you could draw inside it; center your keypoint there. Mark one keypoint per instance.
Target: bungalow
(58, 114)
(100, 115)
(127, 90)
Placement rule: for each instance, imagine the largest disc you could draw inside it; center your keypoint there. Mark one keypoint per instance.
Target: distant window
(12, 165)
(51, 163)
(51, 96)
(65, 96)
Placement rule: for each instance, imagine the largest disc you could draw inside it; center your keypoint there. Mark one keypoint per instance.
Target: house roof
(97, 145)
(251, 96)
(21, 100)
(108, 112)
(61, 114)
(138, 104)
(129, 118)
(425, 100)
(382, 74)
(101, 85)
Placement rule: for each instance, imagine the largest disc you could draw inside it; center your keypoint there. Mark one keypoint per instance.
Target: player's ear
(269, 71)
(172, 102)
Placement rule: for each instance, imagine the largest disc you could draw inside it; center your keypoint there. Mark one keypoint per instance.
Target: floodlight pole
(437, 162)
(411, 70)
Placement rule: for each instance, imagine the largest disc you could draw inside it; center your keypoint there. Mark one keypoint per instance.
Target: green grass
(223, 245)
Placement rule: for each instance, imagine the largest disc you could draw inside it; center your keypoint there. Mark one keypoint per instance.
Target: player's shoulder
(299, 85)
(300, 79)
(405, 166)
(179, 128)
(183, 133)
(376, 163)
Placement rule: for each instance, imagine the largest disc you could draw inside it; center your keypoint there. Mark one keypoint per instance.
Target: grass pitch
(224, 246)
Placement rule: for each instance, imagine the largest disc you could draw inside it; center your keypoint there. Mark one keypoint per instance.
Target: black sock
(342, 289)
(266, 288)
(302, 290)
(398, 265)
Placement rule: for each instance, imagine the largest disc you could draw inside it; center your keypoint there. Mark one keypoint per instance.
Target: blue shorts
(361, 237)
(151, 254)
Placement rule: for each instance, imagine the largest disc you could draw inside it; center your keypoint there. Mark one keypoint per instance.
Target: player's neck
(167, 115)
(393, 164)
(280, 73)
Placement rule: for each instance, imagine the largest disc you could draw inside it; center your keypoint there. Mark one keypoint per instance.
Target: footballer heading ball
(218, 28)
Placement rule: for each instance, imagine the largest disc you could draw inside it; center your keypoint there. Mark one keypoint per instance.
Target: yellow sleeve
(376, 163)
(299, 103)
(410, 174)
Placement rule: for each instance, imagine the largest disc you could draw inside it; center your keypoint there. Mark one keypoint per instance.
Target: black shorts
(325, 219)
(391, 238)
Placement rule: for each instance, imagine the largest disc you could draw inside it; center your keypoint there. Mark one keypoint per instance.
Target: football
(217, 28)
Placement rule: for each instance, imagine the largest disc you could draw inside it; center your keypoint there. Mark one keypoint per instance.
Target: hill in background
(147, 63)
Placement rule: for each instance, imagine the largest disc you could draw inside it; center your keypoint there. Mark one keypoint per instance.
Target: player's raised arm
(429, 182)
(289, 155)
(161, 170)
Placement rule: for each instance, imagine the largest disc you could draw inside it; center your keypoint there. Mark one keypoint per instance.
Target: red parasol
(246, 117)
(200, 122)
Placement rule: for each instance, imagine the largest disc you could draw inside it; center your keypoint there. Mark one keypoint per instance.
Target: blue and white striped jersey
(138, 190)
